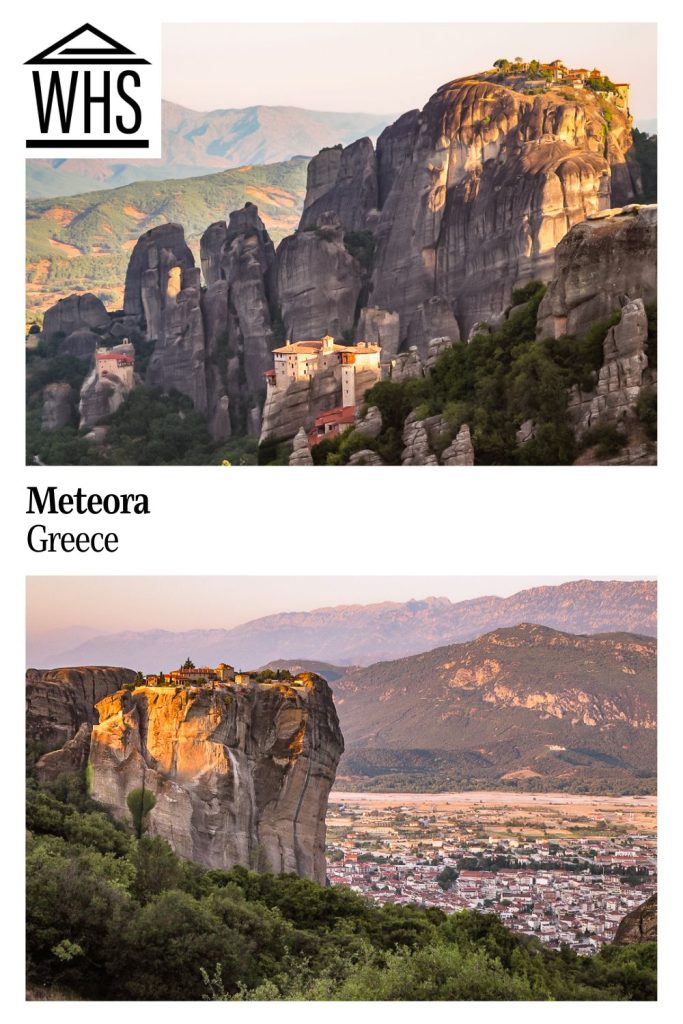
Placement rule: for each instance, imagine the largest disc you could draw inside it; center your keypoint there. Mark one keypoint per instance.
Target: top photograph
(363, 245)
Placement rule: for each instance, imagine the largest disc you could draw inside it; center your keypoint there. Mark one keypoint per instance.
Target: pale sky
(110, 604)
(384, 68)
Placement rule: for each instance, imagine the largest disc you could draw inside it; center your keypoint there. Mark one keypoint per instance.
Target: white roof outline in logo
(112, 53)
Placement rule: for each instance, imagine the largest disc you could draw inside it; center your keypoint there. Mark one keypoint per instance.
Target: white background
(211, 520)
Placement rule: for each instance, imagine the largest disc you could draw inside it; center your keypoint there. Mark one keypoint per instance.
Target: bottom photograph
(341, 788)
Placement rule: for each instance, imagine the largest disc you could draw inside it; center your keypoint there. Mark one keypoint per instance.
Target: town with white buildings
(563, 874)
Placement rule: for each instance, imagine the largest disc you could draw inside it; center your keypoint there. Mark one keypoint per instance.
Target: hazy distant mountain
(362, 634)
(89, 237)
(526, 705)
(201, 143)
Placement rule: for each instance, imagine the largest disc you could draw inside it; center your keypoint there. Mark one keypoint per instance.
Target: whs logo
(92, 96)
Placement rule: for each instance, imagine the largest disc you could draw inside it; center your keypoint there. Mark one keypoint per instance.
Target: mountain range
(526, 706)
(203, 142)
(364, 634)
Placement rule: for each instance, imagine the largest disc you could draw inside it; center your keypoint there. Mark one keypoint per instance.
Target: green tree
(140, 802)
(188, 664)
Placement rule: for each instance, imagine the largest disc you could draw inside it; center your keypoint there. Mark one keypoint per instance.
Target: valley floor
(565, 869)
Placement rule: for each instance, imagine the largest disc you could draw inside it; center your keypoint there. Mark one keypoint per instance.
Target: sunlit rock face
(241, 774)
(474, 192)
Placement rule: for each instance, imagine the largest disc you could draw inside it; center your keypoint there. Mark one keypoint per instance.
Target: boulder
(75, 313)
(407, 365)
(370, 425)
(365, 457)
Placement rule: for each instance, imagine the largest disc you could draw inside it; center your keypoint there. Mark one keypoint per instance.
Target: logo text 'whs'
(91, 93)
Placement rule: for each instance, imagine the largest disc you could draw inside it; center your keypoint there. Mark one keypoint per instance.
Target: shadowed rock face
(241, 775)
(57, 406)
(345, 178)
(75, 313)
(318, 281)
(469, 197)
(238, 265)
(157, 251)
(60, 700)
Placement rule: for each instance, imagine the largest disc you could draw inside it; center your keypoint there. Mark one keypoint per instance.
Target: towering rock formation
(318, 281)
(466, 199)
(240, 775)
(609, 255)
(211, 344)
(238, 265)
(156, 254)
(343, 181)
(178, 360)
(60, 700)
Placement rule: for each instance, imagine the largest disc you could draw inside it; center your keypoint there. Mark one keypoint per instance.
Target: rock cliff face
(640, 925)
(60, 700)
(238, 265)
(621, 378)
(318, 281)
(349, 178)
(432, 442)
(213, 345)
(57, 406)
(609, 255)
(469, 197)
(155, 255)
(173, 308)
(241, 775)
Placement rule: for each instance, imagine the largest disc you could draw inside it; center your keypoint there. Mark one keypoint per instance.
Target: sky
(384, 68)
(108, 604)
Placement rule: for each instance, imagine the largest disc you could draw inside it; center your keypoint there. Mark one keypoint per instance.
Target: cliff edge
(239, 774)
